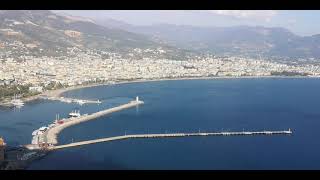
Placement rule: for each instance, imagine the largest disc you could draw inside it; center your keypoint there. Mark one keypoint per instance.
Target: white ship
(75, 113)
(81, 102)
(39, 131)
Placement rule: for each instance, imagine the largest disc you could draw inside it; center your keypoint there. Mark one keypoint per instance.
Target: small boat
(74, 113)
(81, 102)
(39, 131)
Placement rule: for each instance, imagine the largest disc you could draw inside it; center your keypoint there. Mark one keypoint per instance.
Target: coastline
(59, 92)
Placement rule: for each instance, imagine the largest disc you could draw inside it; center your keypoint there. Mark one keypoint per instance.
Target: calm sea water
(184, 106)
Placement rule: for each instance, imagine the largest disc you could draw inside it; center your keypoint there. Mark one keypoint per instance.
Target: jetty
(168, 135)
(49, 136)
(70, 100)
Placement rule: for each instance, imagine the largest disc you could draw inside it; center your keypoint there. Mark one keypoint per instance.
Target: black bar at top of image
(158, 5)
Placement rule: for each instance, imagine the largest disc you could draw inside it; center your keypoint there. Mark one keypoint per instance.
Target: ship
(81, 102)
(74, 113)
(41, 130)
(37, 133)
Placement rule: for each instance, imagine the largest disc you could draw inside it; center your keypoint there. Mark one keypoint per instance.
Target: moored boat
(74, 113)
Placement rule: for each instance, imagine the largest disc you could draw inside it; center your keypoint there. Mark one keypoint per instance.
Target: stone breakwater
(50, 136)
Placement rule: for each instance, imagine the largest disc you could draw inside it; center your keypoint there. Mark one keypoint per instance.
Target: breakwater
(170, 135)
(49, 136)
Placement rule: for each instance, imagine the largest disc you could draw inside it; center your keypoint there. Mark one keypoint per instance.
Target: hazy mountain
(45, 33)
(238, 40)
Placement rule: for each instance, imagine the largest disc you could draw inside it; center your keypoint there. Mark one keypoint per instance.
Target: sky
(300, 22)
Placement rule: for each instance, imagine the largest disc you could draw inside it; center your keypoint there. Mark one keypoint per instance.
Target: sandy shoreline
(59, 92)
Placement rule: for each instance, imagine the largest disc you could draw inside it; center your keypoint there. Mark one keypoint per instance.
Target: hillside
(237, 40)
(43, 33)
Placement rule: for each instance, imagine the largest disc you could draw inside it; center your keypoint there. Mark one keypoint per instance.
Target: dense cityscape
(81, 68)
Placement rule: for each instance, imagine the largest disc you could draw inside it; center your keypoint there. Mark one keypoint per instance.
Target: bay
(183, 106)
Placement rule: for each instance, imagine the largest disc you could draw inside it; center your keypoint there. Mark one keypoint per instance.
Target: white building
(36, 89)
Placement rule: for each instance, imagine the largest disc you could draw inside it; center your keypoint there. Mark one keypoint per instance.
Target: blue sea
(183, 106)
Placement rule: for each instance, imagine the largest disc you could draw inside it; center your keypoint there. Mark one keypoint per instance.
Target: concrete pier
(169, 135)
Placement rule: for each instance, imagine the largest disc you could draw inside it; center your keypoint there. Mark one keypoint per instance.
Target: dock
(168, 135)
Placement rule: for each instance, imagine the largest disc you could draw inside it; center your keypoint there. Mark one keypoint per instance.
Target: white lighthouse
(137, 99)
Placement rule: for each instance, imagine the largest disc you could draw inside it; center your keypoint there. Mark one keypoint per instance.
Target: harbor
(15, 102)
(45, 139)
(47, 136)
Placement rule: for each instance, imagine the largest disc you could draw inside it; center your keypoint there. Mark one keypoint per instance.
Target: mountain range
(236, 40)
(44, 33)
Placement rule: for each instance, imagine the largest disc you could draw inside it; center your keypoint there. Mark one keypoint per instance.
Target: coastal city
(193, 90)
(85, 68)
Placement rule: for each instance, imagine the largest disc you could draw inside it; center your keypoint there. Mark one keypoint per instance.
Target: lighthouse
(137, 99)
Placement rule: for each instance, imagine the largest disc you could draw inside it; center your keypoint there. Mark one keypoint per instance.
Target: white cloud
(265, 15)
